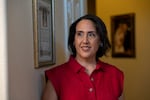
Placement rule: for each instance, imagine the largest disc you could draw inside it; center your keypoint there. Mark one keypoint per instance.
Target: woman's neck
(88, 64)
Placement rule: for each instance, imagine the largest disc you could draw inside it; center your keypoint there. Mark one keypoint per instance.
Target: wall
(3, 52)
(25, 82)
(19, 79)
(136, 70)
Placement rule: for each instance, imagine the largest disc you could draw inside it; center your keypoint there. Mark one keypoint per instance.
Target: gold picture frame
(123, 35)
(43, 30)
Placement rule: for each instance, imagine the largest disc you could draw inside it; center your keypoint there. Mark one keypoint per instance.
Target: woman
(84, 76)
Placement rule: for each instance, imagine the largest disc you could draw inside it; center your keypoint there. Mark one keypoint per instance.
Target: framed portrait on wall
(123, 35)
(43, 28)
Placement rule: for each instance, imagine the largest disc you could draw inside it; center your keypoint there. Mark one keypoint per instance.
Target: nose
(85, 39)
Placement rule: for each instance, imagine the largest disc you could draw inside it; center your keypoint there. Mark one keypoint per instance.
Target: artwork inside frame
(43, 29)
(123, 35)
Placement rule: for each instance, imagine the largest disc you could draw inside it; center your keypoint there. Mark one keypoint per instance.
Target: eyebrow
(88, 31)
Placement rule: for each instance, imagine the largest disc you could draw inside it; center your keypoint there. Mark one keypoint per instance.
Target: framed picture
(43, 29)
(123, 35)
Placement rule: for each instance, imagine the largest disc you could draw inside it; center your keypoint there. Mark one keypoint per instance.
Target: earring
(101, 44)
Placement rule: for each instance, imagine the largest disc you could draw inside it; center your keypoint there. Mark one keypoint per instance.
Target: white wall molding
(3, 52)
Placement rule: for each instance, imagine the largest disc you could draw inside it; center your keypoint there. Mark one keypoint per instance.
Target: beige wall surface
(136, 70)
(26, 82)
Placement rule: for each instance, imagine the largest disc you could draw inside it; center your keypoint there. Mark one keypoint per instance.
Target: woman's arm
(49, 92)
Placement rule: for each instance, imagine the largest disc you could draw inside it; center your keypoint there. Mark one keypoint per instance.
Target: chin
(86, 56)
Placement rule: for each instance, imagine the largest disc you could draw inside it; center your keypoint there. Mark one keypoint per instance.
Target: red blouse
(71, 82)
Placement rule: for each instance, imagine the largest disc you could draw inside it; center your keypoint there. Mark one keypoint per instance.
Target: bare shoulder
(49, 92)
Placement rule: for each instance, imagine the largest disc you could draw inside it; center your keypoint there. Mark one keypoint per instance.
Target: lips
(85, 48)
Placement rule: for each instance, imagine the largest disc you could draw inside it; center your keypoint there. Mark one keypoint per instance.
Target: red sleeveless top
(71, 82)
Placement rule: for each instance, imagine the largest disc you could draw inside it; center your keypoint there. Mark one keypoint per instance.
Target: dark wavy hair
(101, 31)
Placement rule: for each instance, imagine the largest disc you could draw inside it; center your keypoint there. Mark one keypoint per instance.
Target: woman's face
(86, 40)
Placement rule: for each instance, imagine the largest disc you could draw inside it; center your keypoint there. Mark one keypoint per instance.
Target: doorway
(91, 7)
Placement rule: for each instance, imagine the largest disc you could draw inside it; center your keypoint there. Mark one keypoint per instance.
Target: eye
(79, 33)
(91, 34)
